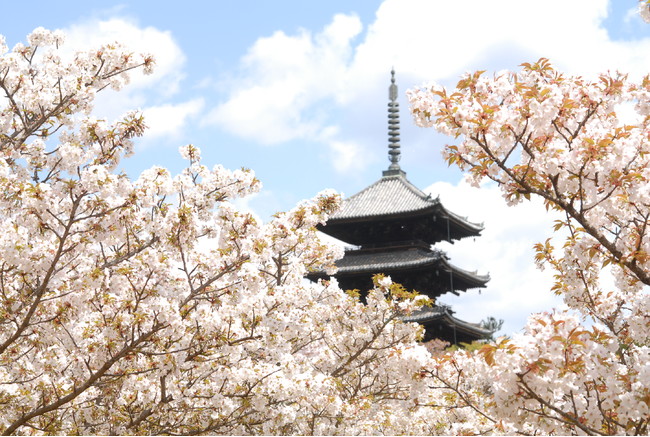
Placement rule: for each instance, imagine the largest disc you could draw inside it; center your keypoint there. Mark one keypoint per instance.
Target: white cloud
(289, 86)
(632, 15)
(168, 71)
(170, 119)
(168, 55)
(438, 40)
(283, 78)
(286, 81)
(504, 250)
(347, 155)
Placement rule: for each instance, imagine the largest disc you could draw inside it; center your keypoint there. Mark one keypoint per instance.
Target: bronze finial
(393, 128)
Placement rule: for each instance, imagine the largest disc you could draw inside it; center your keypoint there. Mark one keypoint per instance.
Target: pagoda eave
(427, 272)
(390, 228)
(439, 320)
(427, 212)
(460, 224)
(431, 225)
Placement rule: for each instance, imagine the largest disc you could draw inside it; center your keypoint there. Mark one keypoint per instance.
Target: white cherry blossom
(154, 306)
(538, 132)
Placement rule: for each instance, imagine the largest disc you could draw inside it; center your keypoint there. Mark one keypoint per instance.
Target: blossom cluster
(644, 10)
(154, 306)
(538, 132)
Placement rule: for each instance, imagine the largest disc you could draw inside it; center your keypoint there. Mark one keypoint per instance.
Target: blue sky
(297, 91)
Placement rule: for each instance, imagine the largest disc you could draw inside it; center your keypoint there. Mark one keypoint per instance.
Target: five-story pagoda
(393, 227)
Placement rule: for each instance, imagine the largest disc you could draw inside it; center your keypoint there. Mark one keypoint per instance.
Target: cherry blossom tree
(538, 132)
(154, 306)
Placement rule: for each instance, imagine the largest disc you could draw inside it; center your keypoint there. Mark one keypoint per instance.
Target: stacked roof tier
(416, 268)
(439, 322)
(393, 226)
(398, 211)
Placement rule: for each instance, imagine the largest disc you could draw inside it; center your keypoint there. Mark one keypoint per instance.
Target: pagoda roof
(359, 261)
(395, 207)
(443, 314)
(390, 195)
(395, 196)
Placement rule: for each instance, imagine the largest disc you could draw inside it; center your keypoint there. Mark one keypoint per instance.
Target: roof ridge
(387, 195)
(362, 191)
(412, 187)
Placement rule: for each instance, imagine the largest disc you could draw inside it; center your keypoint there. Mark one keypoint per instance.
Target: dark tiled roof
(461, 221)
(394, 195)
(358, 261)
(361, 261)
(442, 314)
(388, 196)
(467, 274)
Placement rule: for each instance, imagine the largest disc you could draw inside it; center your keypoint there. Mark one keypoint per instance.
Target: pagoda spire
(393, 130)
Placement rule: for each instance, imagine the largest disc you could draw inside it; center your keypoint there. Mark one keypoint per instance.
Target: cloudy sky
(297, 91)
